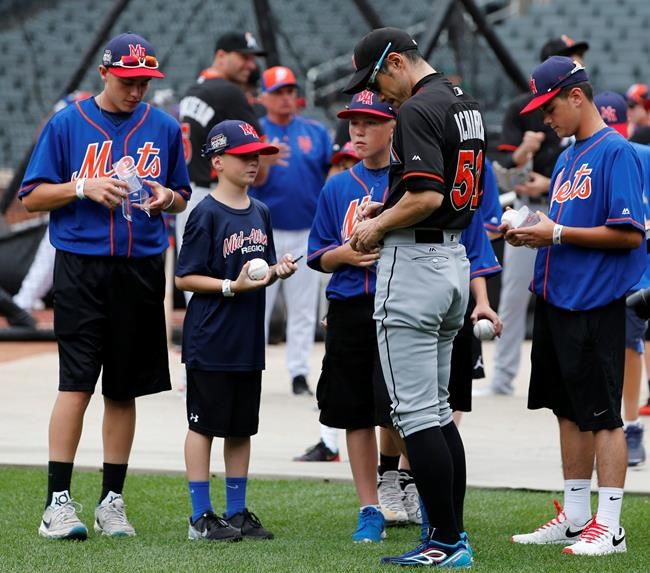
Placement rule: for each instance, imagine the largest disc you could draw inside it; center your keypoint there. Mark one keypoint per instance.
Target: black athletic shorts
(351, 390)
(466, 364)
(577, 364)
(224, 404)
(109, 313)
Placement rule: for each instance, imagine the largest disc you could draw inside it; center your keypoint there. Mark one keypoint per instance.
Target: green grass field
(312, 522)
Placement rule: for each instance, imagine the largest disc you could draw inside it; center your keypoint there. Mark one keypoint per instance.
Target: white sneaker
(558, 530)
(411, 500)
(110, 517)
(390, 496)
(60, 521)
(598, 539)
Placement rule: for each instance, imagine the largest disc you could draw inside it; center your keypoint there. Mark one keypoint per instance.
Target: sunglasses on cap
(576, 68)
(130, 61)
(372, 85)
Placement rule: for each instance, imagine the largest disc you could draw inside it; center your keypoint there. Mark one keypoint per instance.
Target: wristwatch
(225, 288)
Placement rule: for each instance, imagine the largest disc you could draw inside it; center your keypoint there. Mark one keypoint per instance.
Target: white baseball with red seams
(509, 217)
(484, 329)
(257, 269)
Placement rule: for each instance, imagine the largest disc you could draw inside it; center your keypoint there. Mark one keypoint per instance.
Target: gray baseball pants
(421, 298)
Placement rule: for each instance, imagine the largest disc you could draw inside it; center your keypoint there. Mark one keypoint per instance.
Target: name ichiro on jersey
(256, 241)
(97, 162)
(470, 124)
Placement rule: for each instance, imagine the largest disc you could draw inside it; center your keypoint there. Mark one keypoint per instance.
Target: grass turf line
(312, 521)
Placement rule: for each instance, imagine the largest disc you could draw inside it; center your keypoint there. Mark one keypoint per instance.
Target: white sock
(330, 437)
(577, 500)
(610, 502)
(627, 423)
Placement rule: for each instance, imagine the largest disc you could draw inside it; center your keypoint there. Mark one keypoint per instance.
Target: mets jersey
(81, 142)
(643, 151)
(219, 333)
(597, 181)
(336, 220)
(291, 192)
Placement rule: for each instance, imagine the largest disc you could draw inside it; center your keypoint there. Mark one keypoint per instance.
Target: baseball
(257, 269)
(484, 329)
(509, 217)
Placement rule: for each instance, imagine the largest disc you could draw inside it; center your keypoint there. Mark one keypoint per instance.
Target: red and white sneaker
(558, 530)
(598, 539)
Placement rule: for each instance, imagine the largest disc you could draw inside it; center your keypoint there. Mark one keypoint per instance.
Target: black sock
(388, 463)
(433, 470)
(59, 476)
(457, 451)
(113, 479)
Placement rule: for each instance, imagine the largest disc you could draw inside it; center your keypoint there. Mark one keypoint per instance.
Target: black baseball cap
(562, 46)
(242, 42)
(369, 50)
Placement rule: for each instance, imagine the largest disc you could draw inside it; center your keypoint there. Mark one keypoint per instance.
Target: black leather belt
(429, 236)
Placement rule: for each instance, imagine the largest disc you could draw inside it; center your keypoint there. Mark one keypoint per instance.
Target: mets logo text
(97, 162)
(255, 241)
(580, 188)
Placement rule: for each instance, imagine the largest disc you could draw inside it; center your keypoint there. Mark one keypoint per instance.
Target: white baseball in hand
(509, 217)
(257, 269)
(484, 329)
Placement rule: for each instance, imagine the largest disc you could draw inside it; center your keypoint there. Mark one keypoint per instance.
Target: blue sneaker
(370, 527)
(434, 554)
(465, 539)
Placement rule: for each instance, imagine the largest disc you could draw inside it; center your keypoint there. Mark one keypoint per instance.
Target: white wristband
(171, 202)
(226, 289)
(557, 234)
(79, 188)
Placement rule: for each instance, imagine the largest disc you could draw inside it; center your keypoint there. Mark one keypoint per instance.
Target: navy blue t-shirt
(219, 333)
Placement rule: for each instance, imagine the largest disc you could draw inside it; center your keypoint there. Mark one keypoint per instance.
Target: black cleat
(249, 525)
(212, 528)
(318, 453)
(299, 385)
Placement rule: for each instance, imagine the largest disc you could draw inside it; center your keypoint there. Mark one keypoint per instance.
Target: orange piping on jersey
(365, 187)
(30, 187)
(126, 151)
(108, 138)
(506, 147)
(383, 197)
(421, 174)
(628, 219)
(480, 272)
(319, 251)
(367, 281)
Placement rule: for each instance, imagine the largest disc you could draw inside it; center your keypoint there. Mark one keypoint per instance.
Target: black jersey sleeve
(422, 155)
(512, 128)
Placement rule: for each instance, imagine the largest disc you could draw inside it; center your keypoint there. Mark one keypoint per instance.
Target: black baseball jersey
(204, 105)
(515, 125)
(439, 144)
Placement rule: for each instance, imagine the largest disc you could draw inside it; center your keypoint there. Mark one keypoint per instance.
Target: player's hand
(285, 267)
(244, 283)
(368, 210)
(536, 186)
(106, 191)
(539, 235)
(486, 311)
(281, 159)
(367, 236)
(532, 141)
(358, 259)
(161, 196)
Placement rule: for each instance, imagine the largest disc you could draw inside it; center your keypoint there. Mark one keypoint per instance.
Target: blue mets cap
(550, 77)
(612, 107)
(235, 137)
(129, 56)
(367, 102)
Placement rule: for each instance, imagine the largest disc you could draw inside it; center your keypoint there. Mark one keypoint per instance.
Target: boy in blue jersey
(351, 392)
(591, 252)
(223, 334)
(614, 110)
(109, 280)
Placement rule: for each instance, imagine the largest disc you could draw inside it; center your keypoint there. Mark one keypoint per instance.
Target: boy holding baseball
(223, 334)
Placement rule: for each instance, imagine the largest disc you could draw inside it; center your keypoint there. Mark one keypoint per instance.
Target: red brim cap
(347, 113)
(140, 72)
(621, 128)
(255, 147)
(340, 155)
(539, 101)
